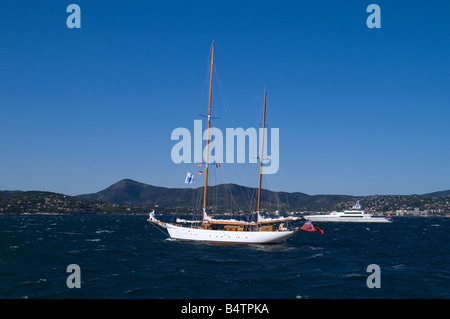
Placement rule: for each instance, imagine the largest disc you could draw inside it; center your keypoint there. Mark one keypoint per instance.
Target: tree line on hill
(135, 197)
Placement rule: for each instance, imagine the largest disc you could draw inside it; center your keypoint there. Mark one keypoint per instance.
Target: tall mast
(262, 154)
(208, 132)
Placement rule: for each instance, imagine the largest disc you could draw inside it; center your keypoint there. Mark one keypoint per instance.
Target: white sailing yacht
(230, 231)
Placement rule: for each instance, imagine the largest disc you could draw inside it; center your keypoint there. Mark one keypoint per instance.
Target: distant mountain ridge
(134, 197)
(126, 191)
(440, 193)
(130, 192)
(9, 192)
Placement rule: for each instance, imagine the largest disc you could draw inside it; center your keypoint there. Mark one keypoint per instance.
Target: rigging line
(199, 198)
(232, 170)
(248, 199)
(230, 66)
(202, 98)
(260, 114)
(181, 200)
(269, 195)
(205, 84)
(159, 228)
(224, 99)
(258, 109)
(169, 173)
(287, 200)
(268, 109)
(232, 197)
(214, 177)
(226, 107)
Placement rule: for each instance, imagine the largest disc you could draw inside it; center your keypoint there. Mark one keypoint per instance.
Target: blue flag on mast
(189, 178)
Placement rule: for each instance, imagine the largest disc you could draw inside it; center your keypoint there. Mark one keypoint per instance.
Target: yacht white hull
(326, 218)
(229, 237)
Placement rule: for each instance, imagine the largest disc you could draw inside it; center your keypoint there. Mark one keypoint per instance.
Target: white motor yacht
(355, 215)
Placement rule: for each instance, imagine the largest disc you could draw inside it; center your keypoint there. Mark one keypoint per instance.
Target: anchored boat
(355, 215)
(230, 231)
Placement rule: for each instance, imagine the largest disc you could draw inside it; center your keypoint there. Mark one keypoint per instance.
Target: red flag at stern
(310, 227)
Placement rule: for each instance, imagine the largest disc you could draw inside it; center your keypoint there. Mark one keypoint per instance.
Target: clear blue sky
(361, 111)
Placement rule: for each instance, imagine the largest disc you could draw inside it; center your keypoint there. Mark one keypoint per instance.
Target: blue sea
(124, 256)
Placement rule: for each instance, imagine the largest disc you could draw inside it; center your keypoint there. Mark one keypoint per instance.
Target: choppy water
(122, 256)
